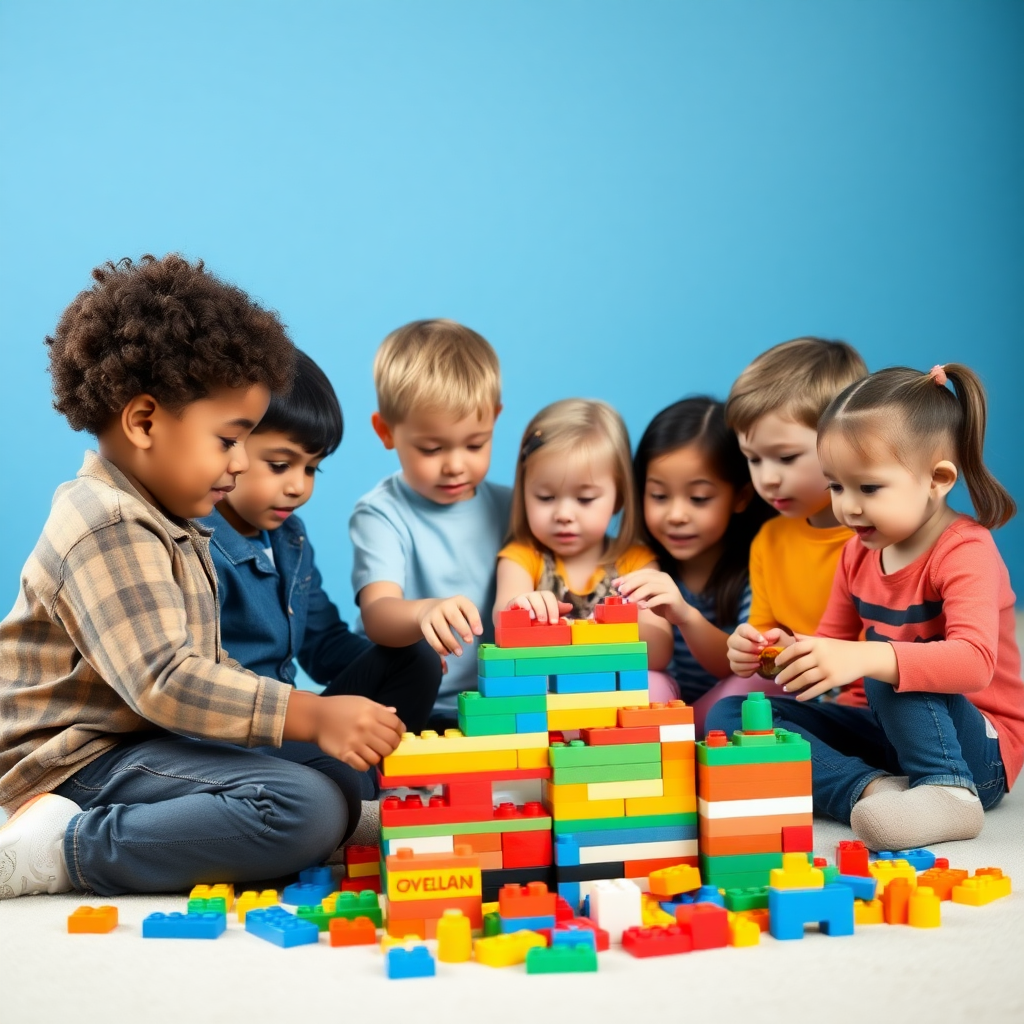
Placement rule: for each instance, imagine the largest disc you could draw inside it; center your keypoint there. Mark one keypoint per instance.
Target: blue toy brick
(184, 926)
(585, 909)
(919, 860)
(709, 894)
(573, 935)
(570, 892)
(281, 928)
(583, 682)
(567, 850)
(513, 686)
(531, 924)
(669, 906)
(634, 680)
(863, 888)
(306, 894)
(320, 875)
(410, 963)
(790, 909)
(609, 837)
(532, 721)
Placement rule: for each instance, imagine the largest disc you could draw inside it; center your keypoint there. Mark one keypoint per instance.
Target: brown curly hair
(166, 328)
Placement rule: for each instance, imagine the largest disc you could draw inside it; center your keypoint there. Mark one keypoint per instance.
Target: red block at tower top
(615, 610)
(515, 628)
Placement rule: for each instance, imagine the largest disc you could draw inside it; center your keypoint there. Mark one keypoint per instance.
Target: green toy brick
(487, 725)
(591, 663)
(473, 704)
(214, 905)
(735, 879)
(359, 904)
(562, 959)
(570, 652)
(492, 925)
(576, 754)
(317, 915)
(742, 862)
(607, 773)
(756, 713)
(495, 667)
(742, 739)
(467, 828)
(830, 872)
(789, 746)
(562, 828)
(753, 898)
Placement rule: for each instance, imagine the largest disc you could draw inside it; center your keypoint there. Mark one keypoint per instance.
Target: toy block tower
(754, 800)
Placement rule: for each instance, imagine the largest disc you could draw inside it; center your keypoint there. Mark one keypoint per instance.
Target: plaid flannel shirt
(115, 632)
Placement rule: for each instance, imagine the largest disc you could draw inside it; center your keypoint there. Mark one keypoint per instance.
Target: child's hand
(542, 605)
(816, 664)
(445, 617)
(657, 592)
(745, 645)
(356, 730)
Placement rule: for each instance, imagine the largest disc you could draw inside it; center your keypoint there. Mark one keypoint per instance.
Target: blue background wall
(629, 200)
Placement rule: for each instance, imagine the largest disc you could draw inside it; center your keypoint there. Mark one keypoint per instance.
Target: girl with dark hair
(699, 515)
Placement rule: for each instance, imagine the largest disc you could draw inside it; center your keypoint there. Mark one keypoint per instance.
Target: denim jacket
(273, 614)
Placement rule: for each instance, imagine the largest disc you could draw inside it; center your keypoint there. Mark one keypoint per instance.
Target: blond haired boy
(774, 407)
(426, 538)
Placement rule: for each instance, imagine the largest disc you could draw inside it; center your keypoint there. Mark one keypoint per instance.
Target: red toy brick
(509, 774)
(509, 811)
(395, 811)
(360, 932)
(563, 910)
(798, 839)
(615, 734)
(852, 858)
(614, 609)
(371, 882)
(362, 854)
(526, 849)
(530, 900)
(468, 794)
(656, 941)
(707, 924)
(515, 628)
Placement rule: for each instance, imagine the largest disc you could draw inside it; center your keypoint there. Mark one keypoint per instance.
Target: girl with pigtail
(943, 736)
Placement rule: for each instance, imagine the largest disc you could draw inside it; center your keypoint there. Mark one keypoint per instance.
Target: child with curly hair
(122, 720)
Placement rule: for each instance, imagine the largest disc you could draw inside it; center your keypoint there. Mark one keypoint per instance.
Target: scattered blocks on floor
(830, 907)
(184, 926)
(410, 962)
(276, 925)
(358, 932)
(561, 958)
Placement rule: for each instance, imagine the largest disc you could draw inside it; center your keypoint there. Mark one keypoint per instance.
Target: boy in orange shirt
(774, 407)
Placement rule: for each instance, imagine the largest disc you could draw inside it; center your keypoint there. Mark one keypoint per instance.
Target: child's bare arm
(392, 621)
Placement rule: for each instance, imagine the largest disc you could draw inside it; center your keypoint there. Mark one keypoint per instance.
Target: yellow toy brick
(679, 796)
(984, 887)
(868, 912)
(674, 880)
(506, 950)
(454, 938)
(622, 790)
(583, 718)
(453, 742)
(884, 871)
(369, 870)
(537, 758)
(587, 701)
(796, 872)
(222, 890)
(651, 914)
(448, 764)
(433, 883)
(250, 900)
(586, 631)
(743, 931)
(490, 908)
(924, 909)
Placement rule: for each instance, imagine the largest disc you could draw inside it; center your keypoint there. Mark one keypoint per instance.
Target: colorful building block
(743, 931)
(616, 735)
(92, 920)
(752, 898)
(212, 906)
(530, 900)
(360, 931)
(796, 873)
(615, 906)
(852, 858)
(512, 685)
(868, 911)
(798, 839)
(409, 962)
(221, 890)
(506, 950)
(276, 925)
(532, 924)
(831, 907)
(526, 849)
(454, 937)
(250, 900)
(896, 901)
(707, 924)
(635, 679)
(583, 682)
(986, 886)
(884, 871)
(588, 631)
(184, 926)
(674, 880)
(942, 881)
(863, 888)
(675, 712)
(925, 908)
(655, 941)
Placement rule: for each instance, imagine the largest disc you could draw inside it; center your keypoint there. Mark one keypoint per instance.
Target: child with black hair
(699, 519)
(123, 722)
(274, 609)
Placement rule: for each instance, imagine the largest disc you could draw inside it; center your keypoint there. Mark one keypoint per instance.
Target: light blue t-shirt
(433, 550)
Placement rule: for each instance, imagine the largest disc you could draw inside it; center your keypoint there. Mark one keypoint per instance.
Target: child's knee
(661, 688)
(314, 815)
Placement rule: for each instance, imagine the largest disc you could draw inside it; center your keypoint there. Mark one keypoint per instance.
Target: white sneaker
(32, 847)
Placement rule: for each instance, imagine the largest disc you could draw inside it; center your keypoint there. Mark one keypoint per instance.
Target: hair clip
(531, 444)
(938, 374)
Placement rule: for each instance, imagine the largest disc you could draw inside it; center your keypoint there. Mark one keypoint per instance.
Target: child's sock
(367, 832)
(888, 784)
(916, 817)
(32, 847)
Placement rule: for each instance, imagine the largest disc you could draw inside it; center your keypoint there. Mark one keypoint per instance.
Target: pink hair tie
(938, 374)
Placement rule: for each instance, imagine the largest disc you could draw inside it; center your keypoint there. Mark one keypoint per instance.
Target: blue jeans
(936, 739)
(164, 813)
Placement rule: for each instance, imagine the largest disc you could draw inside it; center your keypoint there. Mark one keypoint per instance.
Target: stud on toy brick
(656, 941)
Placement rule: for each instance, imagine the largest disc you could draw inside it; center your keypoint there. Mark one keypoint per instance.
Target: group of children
(807, 513)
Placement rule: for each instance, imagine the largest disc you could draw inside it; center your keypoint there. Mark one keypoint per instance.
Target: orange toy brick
(530, 900)
(615, 734)
(92, 921)
(675, 712)
(615, 610)
(515, 628)
(942, 881)
(766, 662)
(753, 781)
(896, 901)
(357, 932)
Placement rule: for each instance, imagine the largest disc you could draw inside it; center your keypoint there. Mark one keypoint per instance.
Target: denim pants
(164, 813)
(935, 739)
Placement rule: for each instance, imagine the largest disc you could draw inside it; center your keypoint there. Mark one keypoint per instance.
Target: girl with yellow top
(574, 475)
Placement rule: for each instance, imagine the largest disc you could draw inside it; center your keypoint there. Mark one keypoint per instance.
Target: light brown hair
(436, 365)
(796, 379)
(586, 428)
(914, 413)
